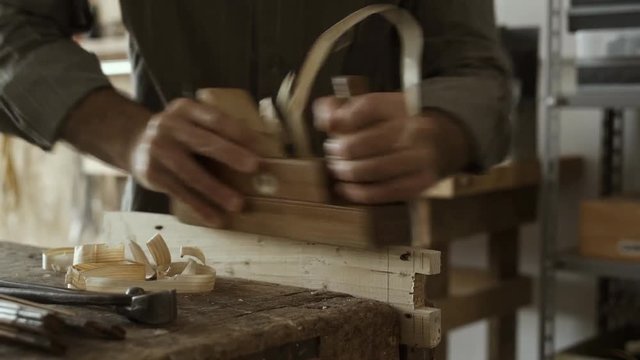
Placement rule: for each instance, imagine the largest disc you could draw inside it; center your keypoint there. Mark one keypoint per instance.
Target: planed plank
(354, 226)
(420, 327)
(385, 274)
(389, 274)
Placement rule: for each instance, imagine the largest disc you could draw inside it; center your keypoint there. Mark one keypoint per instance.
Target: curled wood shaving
(139, 256)
(193, 252)
(98, 253)
(58, 260)
(159, 251)
(104, 268)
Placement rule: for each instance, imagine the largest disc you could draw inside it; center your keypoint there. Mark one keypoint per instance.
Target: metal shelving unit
(613, 97)
(618, 15)
(571, 260)
(585, 14)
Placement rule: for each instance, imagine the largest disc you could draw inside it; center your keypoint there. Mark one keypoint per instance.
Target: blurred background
(61, 195)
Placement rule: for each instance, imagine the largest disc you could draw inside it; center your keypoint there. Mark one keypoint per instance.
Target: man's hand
(378, 154)
(160, 150)
(163, 158)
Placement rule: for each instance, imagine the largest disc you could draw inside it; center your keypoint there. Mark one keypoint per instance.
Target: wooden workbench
(239, 320)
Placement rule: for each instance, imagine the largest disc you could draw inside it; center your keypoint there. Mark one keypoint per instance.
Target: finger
(323, 109)
(383, 167)
(166, 182)
(378, 139)
(215, 120)
(399, 189)
(362, 111)
(194, 176)
(210, 144)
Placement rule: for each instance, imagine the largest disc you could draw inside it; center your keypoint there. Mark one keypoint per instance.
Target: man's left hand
(379, 154)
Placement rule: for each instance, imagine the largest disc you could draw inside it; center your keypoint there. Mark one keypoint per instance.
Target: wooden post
(503, 264)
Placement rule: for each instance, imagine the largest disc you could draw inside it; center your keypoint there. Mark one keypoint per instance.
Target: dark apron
(179, 46)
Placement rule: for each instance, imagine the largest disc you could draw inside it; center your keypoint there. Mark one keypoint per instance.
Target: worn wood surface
(239, 320)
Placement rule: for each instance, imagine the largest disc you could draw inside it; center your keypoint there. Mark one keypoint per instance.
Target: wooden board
(506, 176)
(354, 226)
(448, 219)
(240, 319)
(368, 227)
(387, 274)
(287, 179)
(609, 228)
(475, 294)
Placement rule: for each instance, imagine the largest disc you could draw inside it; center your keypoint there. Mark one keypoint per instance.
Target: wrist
(453, 142)
(106, 125)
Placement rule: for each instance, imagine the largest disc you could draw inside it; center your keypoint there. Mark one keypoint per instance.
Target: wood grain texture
(240, 320)
(388, 274)
(286, 179)
(354, 226)
(239, 104)
(609, 228)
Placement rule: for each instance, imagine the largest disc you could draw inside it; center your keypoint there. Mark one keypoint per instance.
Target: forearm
(106, 125)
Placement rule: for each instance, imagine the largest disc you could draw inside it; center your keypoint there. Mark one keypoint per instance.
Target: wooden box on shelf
(610, 228)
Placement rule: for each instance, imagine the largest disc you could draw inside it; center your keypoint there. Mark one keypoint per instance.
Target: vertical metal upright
(552, 80)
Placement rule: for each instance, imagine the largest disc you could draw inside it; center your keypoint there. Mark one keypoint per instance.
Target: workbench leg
(438, 288)
(503, 264)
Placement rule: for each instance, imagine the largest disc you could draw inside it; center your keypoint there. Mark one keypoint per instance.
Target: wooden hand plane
(290, 196)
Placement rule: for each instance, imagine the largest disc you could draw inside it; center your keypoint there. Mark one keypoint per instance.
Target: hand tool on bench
(43, 328)
(157, 308)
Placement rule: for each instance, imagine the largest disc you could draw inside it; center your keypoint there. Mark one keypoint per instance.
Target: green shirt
(178, 46)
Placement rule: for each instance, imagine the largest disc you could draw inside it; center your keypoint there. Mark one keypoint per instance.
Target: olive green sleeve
(43, 73)
(466, 73)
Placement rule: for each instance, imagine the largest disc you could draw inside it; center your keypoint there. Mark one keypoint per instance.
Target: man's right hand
(163, 157)
(160, 150)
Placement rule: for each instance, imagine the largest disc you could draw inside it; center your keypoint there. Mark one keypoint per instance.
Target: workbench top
(238, 320)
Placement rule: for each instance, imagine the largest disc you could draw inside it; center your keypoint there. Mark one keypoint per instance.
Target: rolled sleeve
(43, 75)
(47, 85)
(480, 104)
(467, 74)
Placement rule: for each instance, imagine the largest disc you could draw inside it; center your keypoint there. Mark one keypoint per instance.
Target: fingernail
(336, 166)
(331, 147)
(235, 204)
(321, 117)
